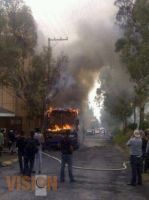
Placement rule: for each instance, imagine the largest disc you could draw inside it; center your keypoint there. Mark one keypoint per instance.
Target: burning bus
(59, 123)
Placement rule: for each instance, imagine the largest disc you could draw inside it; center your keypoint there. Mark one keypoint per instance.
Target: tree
(119, 106)
(124, 13)
(32, 76)
(18, 39)
(117, 97)
(134, 47)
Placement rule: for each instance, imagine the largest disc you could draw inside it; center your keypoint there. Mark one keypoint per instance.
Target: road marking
(124, 165)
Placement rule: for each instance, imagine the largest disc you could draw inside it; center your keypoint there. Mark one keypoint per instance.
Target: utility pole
(49, 51)
(48, 77)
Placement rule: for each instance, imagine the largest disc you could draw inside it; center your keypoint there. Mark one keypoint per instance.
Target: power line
(57, 39)
(49, 51)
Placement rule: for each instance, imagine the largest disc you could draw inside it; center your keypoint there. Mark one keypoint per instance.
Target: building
(12, 111)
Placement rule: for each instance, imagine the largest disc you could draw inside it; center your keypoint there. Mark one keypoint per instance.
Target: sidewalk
(7, 159)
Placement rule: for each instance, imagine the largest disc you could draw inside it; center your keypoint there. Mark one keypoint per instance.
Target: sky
(61, 18)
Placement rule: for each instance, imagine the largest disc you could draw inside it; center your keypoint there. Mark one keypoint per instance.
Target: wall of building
(12, 103)
(7, 99)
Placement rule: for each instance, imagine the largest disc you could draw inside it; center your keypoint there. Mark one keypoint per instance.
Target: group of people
(30, 152)
(8, 138)
(139, 155)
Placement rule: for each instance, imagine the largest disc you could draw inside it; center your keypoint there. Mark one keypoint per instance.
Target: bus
(60, 122)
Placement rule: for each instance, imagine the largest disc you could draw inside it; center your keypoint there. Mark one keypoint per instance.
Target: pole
(49, 58)
(49, 72)
(49, 52)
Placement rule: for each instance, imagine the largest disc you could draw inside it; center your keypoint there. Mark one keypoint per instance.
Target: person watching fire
(38, 157)
(66, 156)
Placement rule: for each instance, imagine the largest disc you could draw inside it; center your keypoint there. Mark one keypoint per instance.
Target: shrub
(121, 138)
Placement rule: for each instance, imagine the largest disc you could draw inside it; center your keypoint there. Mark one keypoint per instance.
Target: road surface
(97, 152)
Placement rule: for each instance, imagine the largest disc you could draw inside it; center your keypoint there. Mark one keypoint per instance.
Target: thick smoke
(93, 49)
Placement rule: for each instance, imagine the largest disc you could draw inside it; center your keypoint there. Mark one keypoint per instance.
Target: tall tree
(134, 47)
(17, 41)
(117, 106)
(20, 69)
(31, 76)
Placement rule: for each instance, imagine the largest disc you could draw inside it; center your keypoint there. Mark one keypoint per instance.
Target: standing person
(144, 145)
(12, 137)
(146, 165)
(135, 145)
(21, 142)
(38, 136)
(1, 142)
(9, 139)
(29, 154)
(66, 151)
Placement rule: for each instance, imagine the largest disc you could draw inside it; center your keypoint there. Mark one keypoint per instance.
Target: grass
(121, 138)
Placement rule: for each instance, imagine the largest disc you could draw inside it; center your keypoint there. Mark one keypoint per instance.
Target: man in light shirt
(135, 145)
(38, 157)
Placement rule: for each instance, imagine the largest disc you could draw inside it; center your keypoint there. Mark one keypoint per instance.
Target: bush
(144, 125)
(121, 138)
(132, 126)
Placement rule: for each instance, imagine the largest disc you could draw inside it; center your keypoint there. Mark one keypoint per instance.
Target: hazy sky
(60, 17)
(89, 25)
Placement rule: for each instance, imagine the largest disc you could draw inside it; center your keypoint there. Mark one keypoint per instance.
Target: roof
(6, 113)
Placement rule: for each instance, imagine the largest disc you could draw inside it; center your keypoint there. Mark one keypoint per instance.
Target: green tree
(18, 39)
(20, 68)
(119, 106)
(117, 97)
(31, 76)
(134, 47)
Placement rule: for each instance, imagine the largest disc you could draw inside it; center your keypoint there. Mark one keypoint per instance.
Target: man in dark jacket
(66, 150)
(21, 142)
(144, 145)
(146, 165)
(31, 149)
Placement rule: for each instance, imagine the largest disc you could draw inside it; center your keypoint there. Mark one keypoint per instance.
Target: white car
(90, 131)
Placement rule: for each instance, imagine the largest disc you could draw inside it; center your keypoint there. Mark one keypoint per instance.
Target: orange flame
(57, 128)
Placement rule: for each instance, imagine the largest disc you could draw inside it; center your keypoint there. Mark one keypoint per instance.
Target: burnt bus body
(61, 122)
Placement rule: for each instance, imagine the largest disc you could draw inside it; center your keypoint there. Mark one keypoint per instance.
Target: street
(97, 152)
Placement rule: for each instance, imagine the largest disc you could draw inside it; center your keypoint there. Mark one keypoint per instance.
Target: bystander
(135, 144)
(66, 151)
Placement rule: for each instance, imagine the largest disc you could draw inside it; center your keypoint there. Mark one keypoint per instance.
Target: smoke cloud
(93, 49)
(94, 32)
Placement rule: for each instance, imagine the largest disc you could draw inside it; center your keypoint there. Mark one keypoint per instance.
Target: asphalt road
(97, 152)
